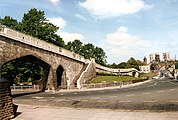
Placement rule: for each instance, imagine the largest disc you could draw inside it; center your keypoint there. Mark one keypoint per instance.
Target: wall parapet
(35, 42)
(114, 71)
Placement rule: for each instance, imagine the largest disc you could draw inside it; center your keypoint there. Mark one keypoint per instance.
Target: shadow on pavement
(14, 95)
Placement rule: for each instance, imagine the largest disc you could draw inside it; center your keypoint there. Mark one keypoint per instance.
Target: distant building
(144, 69)
(154, 58)
(145, 60)
(166, 56)
(157, 57)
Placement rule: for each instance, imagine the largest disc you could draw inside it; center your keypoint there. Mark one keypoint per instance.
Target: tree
(35, 24)
(100, 56)
(9, 22)
(21, 70)
(88, 50)
(123, 65)
(75, 46)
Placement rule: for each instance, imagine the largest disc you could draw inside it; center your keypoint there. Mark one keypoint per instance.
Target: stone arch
(60, 77)
(46, 67)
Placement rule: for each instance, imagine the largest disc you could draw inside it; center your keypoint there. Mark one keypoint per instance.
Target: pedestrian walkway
(27, 112)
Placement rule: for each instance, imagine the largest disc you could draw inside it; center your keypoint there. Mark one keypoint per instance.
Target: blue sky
(123, 28)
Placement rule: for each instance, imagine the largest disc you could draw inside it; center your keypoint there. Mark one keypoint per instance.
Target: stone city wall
(6, 104)
(27, 39)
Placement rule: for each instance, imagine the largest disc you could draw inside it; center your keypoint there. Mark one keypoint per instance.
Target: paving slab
(30, 112)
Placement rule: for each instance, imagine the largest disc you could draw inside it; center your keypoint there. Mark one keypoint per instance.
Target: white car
(156, 77)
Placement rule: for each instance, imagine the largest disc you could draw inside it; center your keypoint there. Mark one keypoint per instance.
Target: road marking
(102, 101)
(155, 83)
(62, 100)
(172, 89)
(131, 95)
(75, 93)
(124, 101)
(38, 97)
(146, 93)
(174, 101)
(113, 96)
(83, 100)
(149, 101)
(160, 91)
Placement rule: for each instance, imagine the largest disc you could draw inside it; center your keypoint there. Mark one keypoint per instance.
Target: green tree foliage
(88, 51)
(123, 65)
(75, 46)
(100, 56)
(9, 22)
(20, 70)
(131, 63)
(35, 24)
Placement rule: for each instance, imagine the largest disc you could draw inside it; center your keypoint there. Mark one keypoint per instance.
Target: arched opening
(59, 73)
(25, 71)
(133, 74)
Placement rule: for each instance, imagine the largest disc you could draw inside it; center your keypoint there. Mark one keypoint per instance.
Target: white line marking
(113, 96)
(84, 100)
(160, 91)
(131, 95)
(146, 93)
(124, 101)
(172, 89)
(102, 101)
(174, 101)
(38, 97)
(62, 100)
(155, 83)
(149, 101)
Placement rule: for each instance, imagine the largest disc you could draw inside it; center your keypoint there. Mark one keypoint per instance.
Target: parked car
(156, 77)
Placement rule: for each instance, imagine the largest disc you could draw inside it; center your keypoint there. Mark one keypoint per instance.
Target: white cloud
(71, 36)
(55, 2)
(58, 21)
(122, 38)
(81, 17)
(109, 8)
(121, 45)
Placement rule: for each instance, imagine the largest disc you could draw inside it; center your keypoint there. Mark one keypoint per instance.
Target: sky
(122, 28)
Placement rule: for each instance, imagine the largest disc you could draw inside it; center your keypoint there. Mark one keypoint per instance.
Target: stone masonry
(14, 45)
(6, 105)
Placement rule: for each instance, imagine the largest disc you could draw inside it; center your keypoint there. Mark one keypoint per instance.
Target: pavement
(30, 112)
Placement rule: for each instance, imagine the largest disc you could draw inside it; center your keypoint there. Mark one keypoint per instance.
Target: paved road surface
(155, 95)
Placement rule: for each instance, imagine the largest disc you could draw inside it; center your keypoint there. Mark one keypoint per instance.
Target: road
(156, 95)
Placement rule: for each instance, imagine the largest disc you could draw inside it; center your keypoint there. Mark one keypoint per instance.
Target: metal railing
(24, 88)
(110, 84)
